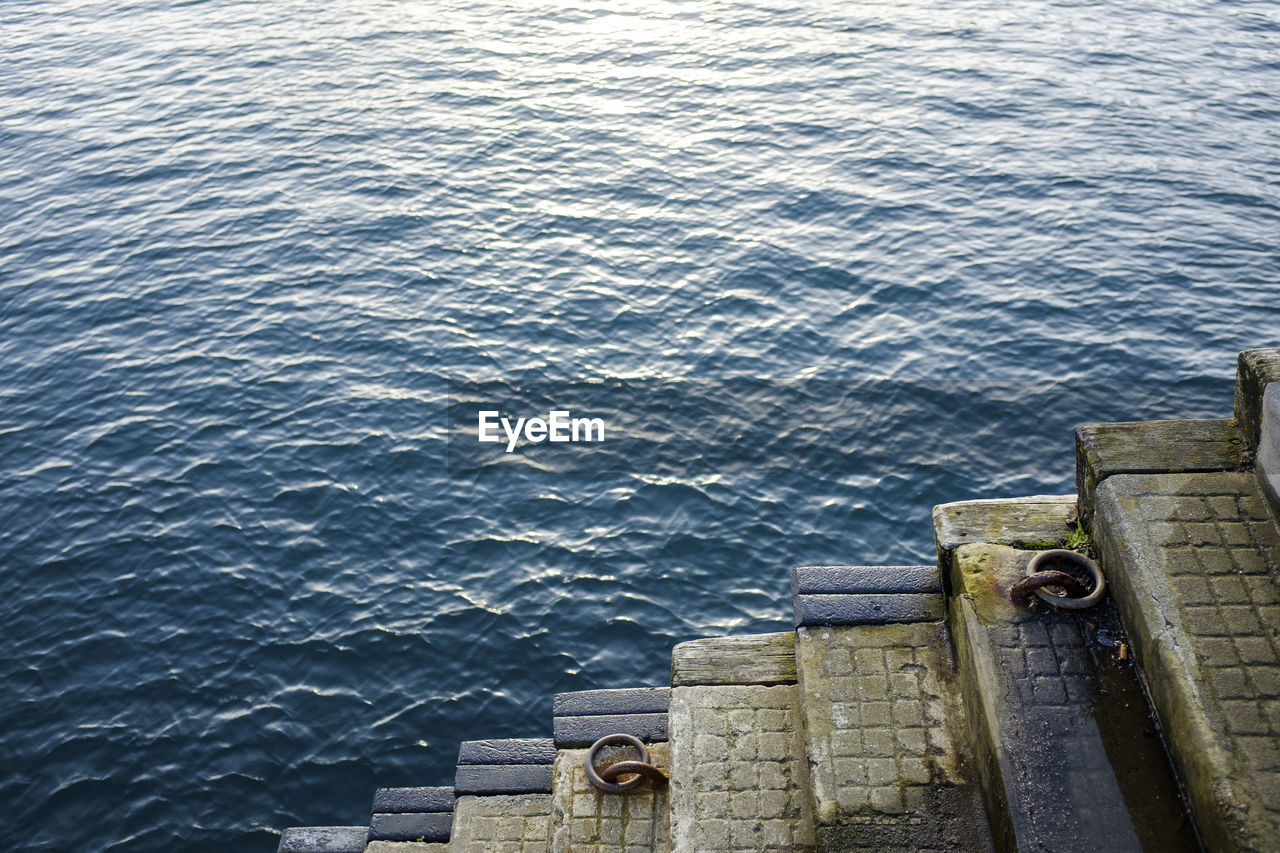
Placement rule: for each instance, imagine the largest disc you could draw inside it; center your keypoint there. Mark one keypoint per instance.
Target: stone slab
(1268, 454)
(883, 726)
(508, 751)
(586, 820)
(584, 731)
(738, 777)
(1152, 447)
(405, 847)
(829, 580)
(502, 824)
(750, 659)
(1046, 733)
(424, 826)
(490, 779)
(628, 700)
(867, 609)
(1193, 562)
(323, 839)
(405, 800)
(1255, 370)
(1006, 521)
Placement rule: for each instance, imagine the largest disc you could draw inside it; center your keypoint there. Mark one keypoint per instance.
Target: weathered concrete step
(406, 847)
(738, 777)
(852, 580)
(586, 820)
(1147, 447)
(417, 826)
(1068, 755)
(862, 595)
(1044, 520)
(507, 823)
(583, 717)
(323, 839)
(510, 766)
(1194, 562)
(884, 734)
(1267, 448)
(408, 800)
(1256, 371)
(751, 659)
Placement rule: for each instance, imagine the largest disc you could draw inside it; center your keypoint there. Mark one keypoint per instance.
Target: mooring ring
(1042, 562)
(616, 740)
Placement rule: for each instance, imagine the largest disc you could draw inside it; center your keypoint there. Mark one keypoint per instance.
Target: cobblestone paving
(511, 823)
(737, 767)
(1202, 552)
(585, 820)
(880, 722)
(875, 714)
(1223, 553)
(405, 847)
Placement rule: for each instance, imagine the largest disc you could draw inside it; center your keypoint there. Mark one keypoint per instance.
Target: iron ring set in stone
(607, 779)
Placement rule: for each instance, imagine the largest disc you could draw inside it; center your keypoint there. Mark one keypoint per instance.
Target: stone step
(504, 796)
(323, 839)
(738, 775)
(1066, 750)
(402, 815)
(1145, 447)
(406, 847)
(884, 734)
(583, 818)
(508, 766)
(1193, 562)
(583, 717)
(587, 820)
(505, 823)
(751, 659)
(866, 595)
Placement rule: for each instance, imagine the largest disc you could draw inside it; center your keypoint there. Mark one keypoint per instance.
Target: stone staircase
(918, 708)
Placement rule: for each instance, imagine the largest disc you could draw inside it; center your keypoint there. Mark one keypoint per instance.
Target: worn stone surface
(503, 824)
(418, 826)
(405, 800)
(627, 700)
(1152, 447)
(508, 751)
(586, 820)
(1031, 687)
(867, 609)
(1255, 370)
(323, 839)
(405, 847)
(880, 721)
(1268, 458)
(1193, 561)
(502, 779)
(738, 776)
(1007, 521)
(820, 580)
(751, 659)
(584, 731)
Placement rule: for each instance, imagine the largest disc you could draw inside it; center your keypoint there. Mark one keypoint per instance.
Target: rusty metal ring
(1040, 562)
(615, 740)
(625, 768)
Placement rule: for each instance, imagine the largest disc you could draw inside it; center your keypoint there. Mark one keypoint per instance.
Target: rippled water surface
(245, 249)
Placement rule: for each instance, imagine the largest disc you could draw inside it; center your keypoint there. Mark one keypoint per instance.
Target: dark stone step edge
(816, 610)
(821, 580)
(412, 800)
(427, 826)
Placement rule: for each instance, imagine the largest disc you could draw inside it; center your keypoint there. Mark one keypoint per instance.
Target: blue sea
(866, 257)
